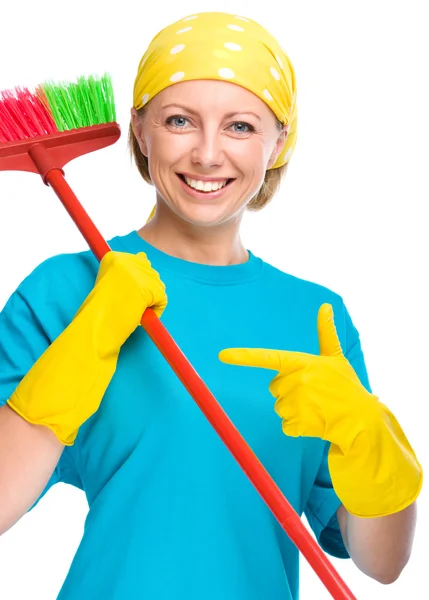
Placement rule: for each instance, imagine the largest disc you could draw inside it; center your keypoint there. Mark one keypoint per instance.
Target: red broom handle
(267, 488)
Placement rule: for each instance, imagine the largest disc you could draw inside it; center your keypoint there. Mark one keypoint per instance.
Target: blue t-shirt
(171, 514)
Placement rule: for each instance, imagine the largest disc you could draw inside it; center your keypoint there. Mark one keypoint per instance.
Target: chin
(204, 222)
(203, 216)
(208, 217)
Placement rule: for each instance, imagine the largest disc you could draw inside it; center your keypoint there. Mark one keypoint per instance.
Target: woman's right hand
(67, 383)
(135, 269)
(126, 285)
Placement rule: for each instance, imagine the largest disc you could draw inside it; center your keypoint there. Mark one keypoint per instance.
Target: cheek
(251, 155)
(165, 149)
(164, 154)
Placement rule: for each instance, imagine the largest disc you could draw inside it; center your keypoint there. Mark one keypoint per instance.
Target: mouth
(206, 189)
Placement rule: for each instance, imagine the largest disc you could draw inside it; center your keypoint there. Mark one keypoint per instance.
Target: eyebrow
(226, 116)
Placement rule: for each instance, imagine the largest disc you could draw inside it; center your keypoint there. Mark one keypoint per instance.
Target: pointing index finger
(277, 360)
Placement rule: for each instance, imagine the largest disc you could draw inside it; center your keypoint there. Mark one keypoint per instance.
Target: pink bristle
(17, 125)
(3, 138)
(23, 115)
(32, 112)
(7, 122)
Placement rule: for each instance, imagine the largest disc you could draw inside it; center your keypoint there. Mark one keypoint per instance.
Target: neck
(220, 245)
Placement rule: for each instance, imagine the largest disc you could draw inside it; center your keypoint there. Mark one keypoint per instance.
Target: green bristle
(88, 102)
(109, 99)
(94, 90)
(85, 99)
(51, 94)
(77, 105)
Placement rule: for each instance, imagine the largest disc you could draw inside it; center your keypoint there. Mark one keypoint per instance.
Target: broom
(40, 132)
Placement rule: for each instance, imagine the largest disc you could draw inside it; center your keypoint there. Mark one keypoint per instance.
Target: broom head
(67, 119)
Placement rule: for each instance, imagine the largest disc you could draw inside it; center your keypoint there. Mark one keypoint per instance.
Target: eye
(243, 127)
(176, 121)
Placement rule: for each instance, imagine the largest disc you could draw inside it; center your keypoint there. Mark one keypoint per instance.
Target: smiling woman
(171, 514)
(230, 116)
(207, 141)
(272, 177)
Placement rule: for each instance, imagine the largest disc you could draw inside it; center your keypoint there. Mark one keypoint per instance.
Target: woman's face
(208, 145)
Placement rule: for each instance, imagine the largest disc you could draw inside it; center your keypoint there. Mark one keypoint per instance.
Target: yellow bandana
(215, 45)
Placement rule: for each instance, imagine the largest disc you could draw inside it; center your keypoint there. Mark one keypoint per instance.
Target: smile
(204, 189)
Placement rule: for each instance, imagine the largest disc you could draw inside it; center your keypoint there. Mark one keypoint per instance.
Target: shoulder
(299, 288)
(55, 288)
(303, 298)
(67, 273)
(60, 274)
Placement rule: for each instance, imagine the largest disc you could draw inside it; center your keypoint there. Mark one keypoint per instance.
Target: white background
(352, 212)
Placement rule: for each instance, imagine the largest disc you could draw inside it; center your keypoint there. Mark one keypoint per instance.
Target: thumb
(328, 339)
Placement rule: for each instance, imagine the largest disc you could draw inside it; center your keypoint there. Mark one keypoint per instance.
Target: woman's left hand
(373, 467)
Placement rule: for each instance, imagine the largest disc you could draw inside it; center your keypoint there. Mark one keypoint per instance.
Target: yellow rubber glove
(373, 468)
(67, 383)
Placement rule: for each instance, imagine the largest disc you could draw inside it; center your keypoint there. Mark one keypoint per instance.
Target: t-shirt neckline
(221, 275)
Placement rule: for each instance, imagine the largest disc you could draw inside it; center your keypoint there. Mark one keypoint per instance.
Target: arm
(373, 468)
(28, 457)
(44, 401)
(65, 386)
(379, 547)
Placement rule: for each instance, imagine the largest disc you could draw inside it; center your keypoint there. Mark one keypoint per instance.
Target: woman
(171, 515)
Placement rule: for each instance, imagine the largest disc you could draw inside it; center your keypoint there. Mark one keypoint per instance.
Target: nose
(208, 149)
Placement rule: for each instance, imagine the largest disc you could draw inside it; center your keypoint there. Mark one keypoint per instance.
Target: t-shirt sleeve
(323, 502)
(23, 339)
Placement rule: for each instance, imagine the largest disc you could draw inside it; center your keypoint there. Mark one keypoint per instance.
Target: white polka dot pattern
(226, 73)
(275, 73)
(233, 47)
(177, 49)
(177, 76)
(280, 62)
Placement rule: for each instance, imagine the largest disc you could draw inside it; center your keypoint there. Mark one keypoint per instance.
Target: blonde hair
(272, 180)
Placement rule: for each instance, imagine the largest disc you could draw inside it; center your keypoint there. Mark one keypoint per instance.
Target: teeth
(205, 186)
